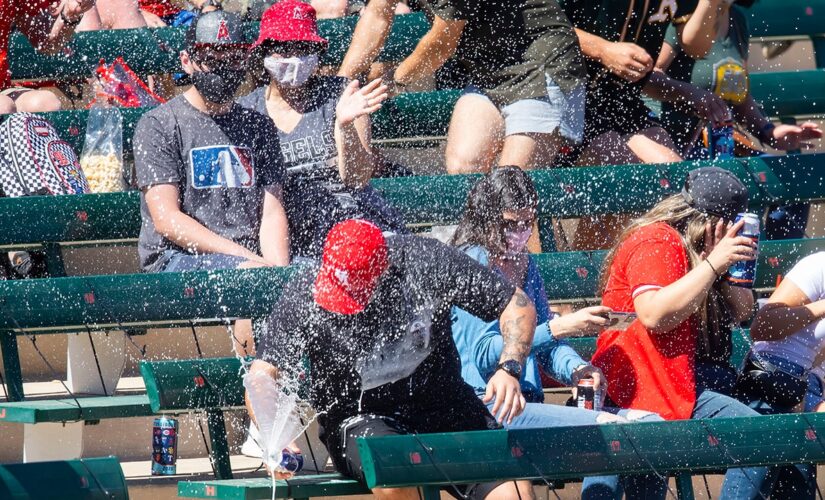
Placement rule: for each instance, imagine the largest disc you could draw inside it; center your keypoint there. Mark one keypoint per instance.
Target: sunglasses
(517, 225)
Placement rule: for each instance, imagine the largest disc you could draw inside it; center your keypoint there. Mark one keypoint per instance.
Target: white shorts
(562, 111)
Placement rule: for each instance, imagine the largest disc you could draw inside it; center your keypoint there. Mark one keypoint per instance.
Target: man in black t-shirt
(373, 320)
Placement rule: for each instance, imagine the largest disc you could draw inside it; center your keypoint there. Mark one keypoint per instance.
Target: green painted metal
(109, 301)
(67, 409)
(684, 486)
(569, 452)
(82, 479)
(156, 50)
(219, 452)
(193, 384)
(790, 93)
(778, 18)
(12, 374)
(321, 485)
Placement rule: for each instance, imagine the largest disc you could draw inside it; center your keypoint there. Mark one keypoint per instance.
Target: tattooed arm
(518, 324)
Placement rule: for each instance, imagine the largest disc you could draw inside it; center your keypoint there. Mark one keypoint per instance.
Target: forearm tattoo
(518, 331)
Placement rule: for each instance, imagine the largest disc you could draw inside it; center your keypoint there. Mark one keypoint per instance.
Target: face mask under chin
(291, 71)
(218, 86)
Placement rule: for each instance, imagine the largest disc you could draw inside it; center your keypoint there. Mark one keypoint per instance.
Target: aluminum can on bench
(742, 273)
(164, 446)
(587, 396)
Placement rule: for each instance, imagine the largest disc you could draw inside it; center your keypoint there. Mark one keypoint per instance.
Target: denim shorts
(180, 262)
(815, 393)
(558, 110)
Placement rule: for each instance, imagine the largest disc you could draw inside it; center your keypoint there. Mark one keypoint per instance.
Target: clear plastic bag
(102, 156)
(281, 416)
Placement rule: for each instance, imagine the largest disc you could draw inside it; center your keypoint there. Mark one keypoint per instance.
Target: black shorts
(615, 109)
(467, 416)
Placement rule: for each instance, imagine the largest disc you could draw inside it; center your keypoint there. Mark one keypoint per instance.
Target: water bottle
(720, 140)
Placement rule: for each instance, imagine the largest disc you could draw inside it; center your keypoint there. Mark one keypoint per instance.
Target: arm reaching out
(371, 32)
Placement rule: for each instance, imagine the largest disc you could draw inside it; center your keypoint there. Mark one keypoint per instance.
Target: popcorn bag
(102, 157)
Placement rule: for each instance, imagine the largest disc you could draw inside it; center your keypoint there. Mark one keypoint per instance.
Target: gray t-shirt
(315, 196)
(221, 165)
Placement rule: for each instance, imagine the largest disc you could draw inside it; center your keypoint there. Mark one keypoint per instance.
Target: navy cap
(214, 29)
(715, 191)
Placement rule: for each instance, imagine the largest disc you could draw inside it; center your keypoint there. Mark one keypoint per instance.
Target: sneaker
(250, 447)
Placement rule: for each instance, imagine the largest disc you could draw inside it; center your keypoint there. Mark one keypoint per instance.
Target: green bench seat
(301, 487)
(85, 478)
(418, 117)
(677, 448)
(426, 200)
(67, 409)
(156, 50)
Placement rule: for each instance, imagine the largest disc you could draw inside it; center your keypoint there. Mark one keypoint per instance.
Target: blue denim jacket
(480, 343)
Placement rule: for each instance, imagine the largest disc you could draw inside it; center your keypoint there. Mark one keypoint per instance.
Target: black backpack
(35, 161)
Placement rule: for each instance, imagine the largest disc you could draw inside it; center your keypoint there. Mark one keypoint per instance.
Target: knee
(7, 105)
(38, 101)
(462, 160)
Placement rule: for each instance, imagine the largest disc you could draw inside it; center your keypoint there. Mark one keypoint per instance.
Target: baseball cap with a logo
(290, 21)
(216, 28)
(715, 191)
(355, 255)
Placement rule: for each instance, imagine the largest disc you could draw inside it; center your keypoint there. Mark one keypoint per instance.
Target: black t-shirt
(508, 46)
(642, 23)
(221, 165)
(411, 304)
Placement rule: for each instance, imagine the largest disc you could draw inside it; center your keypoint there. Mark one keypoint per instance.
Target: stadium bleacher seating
(86, 478)
(67, 304)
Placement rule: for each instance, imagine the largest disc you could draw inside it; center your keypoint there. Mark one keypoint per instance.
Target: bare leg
(396, 493)
(474, 137)
(528, 151)
(507, 491)
(37, 101)
(6, 105)
(653, 145)
(120, 14)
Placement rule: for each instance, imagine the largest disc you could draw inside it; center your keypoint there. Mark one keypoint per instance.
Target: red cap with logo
(289, 21)
(355, 256)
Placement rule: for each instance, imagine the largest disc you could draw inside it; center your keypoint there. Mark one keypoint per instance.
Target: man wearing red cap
(374, 321)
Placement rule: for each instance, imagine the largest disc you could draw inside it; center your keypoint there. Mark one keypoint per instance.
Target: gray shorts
(176, 262)
(558, 110)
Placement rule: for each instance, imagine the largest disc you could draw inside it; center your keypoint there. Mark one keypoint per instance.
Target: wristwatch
(67, 23)
(511, 367)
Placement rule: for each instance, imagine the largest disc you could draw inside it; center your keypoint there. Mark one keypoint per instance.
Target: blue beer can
(164, 446)
(720, 140)
(742, 273)
(291, 461)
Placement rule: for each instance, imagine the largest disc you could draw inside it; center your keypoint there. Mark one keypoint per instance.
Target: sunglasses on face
(517, 225)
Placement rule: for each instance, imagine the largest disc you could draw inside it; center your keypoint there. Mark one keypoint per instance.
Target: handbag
(761, 380)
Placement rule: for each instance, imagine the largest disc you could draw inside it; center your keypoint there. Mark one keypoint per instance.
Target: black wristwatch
(511, 367)
(67, 23)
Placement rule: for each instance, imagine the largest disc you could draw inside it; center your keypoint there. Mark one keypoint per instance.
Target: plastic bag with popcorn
(102, 157)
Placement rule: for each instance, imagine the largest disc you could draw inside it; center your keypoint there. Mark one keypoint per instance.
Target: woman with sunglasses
(497, 222)
(323, 129)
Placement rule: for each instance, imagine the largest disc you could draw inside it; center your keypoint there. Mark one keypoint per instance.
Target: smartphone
(619, 320)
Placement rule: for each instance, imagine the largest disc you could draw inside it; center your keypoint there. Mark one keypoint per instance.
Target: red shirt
(648, 371)
(11, 12)
(160, 8)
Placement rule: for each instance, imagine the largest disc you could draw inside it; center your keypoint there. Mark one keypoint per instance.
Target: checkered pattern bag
(35, 161)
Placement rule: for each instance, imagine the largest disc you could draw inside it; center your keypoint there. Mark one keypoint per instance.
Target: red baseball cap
(289, 21)
(355, 255)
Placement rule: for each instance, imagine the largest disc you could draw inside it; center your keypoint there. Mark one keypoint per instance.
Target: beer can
(720, 140)
(164, 446)
(742, 273)
(587, 395)
(291, 461)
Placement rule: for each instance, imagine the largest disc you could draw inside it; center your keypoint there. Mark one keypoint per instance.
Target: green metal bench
(83, 479)
(71, 410)
(421, 117)
(156, 50)
(678, 448)
(114, 218)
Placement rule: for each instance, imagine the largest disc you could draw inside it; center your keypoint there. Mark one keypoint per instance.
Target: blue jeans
(178, 262)
(538, 415)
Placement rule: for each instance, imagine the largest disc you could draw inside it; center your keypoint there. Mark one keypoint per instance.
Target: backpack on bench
(35, 161)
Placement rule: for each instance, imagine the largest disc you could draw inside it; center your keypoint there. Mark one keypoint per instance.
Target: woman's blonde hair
(690, 223)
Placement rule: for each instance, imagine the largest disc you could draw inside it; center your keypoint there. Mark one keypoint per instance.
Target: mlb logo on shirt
(222, 167)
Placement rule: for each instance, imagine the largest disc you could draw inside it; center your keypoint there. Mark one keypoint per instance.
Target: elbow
(655, 323)
(698, 49)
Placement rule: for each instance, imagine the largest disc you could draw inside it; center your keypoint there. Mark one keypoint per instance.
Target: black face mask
(218, 85)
